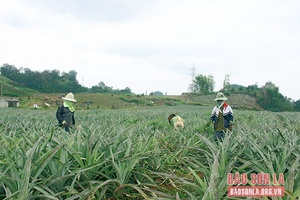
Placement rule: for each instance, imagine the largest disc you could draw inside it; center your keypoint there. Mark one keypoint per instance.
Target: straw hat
(69, 97)
(220, 96)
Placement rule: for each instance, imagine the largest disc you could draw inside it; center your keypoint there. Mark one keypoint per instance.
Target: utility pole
(193, 74)
(193, 71)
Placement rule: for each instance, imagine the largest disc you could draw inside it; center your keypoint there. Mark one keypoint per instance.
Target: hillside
(29, 97)
(109, 101)
(239, 101)
(12, 89)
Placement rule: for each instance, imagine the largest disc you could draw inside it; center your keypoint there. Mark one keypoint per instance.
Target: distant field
(135, 154)
(125, 101)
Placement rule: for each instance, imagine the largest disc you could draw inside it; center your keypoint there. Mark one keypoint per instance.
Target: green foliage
(13, 89)
(204, 84)
(45, 82)
(297, 105)
(53, 81)
(268, 96)
(132, 100)
(16, 82)
(156, 93)
(136, 154)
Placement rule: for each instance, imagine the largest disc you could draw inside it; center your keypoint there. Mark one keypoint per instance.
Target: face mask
(220, 103)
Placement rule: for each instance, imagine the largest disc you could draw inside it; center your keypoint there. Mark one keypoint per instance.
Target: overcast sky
(152, 45)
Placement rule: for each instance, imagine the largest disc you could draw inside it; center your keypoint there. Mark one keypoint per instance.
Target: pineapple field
(120, 154)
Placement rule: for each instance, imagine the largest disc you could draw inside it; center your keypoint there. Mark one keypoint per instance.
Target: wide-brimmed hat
(220, 96)
(69, 97)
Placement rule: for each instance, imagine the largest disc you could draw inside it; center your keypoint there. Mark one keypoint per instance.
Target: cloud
(151, 45)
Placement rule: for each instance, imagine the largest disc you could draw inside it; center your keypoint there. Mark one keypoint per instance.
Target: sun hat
(69, 97)
(220, 96)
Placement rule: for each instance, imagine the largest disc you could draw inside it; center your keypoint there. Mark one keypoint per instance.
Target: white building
(9, 102)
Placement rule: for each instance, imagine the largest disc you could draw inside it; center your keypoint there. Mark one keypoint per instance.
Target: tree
(297, 105)
(101, 88)
(156, 93)
(102, 85)
(192, 87)
(272, 100)
(69, 82)
(10, 71)
(127, 90)
(204, 84)
(46, 81)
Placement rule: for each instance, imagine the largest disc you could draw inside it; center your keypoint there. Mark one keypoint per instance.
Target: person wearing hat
(221, 116)
(176, 121)
(65, 113)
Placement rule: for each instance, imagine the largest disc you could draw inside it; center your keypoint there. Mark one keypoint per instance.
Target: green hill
(29, 97)
(237, 101)
(110, 101)
(13, 89)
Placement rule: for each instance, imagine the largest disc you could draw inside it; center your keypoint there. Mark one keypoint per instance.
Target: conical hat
(220, 96)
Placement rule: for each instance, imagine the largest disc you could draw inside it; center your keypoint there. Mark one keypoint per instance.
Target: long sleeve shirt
(222, 118)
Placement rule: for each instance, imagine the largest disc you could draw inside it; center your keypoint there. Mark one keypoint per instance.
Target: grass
(12, 89)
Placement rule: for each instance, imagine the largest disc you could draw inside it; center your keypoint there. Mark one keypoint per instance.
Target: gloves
(64, 123)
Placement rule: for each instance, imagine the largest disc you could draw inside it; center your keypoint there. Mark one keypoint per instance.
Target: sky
(154, 45)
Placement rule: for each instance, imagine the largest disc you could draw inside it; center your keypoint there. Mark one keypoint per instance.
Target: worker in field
(222, 117)
(65, 113)
(176, 121)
